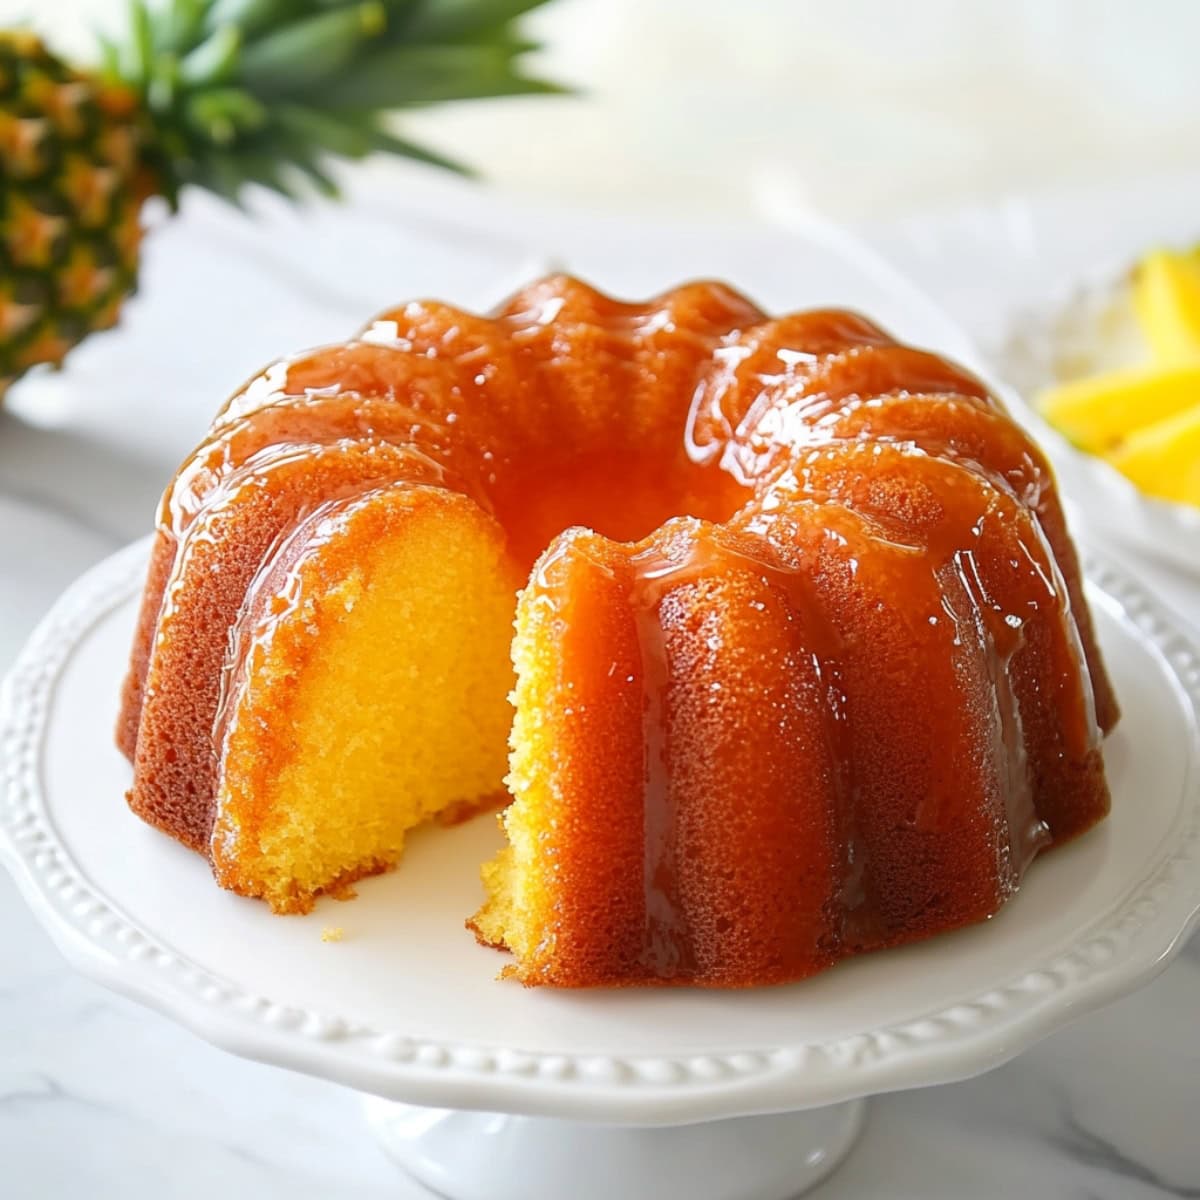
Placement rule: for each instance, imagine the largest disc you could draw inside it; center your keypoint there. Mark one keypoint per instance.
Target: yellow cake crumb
(394, 712)
(332, 933)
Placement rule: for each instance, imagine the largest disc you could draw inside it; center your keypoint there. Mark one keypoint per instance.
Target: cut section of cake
(365, 691)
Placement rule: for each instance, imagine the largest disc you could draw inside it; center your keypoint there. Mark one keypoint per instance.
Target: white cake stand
(485, 1090)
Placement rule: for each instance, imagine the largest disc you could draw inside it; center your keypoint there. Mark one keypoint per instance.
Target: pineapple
(1166, 302)
(72, 187)
(1145, 419)
(217, 94)
(1099, 412)
(1163, 459)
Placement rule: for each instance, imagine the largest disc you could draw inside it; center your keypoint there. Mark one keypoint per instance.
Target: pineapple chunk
(1100, 412)
(1166, 301)
(1164, 459)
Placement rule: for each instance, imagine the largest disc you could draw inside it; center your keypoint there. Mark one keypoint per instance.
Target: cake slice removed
(365, 691)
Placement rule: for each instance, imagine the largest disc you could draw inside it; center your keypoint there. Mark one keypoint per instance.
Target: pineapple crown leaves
(233, 92)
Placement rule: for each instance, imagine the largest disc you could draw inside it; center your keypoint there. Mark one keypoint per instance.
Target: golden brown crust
(175, 764)
(162, 557)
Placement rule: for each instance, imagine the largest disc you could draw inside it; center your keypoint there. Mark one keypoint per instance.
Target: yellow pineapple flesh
(1163, 459)
(1145, 418)
(1100, 411)
(1166, 302)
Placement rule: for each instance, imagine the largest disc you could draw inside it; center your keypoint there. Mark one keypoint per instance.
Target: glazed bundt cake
(802, 667)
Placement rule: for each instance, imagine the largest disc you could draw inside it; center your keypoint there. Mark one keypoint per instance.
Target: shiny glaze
(274, 594)
(814, 454)
(681, 555)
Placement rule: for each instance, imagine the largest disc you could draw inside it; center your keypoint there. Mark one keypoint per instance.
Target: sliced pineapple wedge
(1166, 302)
(1101, 412)
(1163, 459)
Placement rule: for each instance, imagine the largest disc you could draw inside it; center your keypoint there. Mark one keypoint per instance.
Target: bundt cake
(802, 668)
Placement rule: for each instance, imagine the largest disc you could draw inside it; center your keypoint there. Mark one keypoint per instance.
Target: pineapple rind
(70, 194)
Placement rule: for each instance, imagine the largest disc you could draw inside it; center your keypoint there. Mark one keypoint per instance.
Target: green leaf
(389, 143)
(267, 91)
(311, 51)
(110, 58)
(163, 85)
(304, 157)
(220, 176)
(181, 26)
(319, 180)
(454, 20)
(225, 114)
(336, 135)
(254, 16)
(399, 76)
(509, 40)
(227, 176)
(140, 51)
(214, 60)
(265, 169)
(301, 156)
(354, 135)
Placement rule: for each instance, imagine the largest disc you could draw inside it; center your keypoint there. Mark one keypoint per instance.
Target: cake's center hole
(623, 494)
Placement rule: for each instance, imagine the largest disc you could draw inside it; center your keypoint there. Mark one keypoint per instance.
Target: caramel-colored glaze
(829, 681)
(175, 761)
(850, 740)
(742, 734)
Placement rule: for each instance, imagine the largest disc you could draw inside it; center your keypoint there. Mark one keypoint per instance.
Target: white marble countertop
(99, 1097)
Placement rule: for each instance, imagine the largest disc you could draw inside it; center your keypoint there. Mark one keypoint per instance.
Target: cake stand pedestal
(494, 1156)
(485, 1089)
